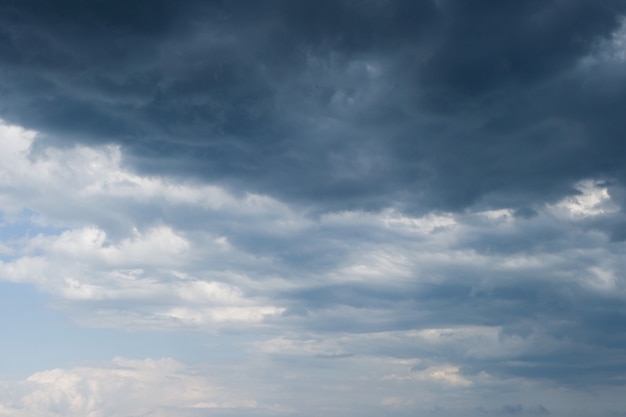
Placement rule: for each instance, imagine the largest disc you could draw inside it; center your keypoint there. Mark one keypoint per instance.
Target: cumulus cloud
(123, 387)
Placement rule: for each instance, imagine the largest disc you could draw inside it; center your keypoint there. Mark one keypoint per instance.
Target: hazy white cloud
(121, 388)
(159, 266)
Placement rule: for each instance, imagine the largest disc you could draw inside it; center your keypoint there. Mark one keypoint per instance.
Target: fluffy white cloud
(155, 266)
(122, 388)
(593, 199)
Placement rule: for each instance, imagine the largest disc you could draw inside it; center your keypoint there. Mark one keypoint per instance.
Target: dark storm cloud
(340, 104)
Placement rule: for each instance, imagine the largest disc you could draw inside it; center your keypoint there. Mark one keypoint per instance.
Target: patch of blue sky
(22, 226)
(36, 336)
(25, 224)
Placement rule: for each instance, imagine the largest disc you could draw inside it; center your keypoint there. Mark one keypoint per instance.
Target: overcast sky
(312, 208)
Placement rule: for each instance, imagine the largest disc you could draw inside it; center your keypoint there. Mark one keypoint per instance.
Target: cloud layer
(339, 104)
(449, 300)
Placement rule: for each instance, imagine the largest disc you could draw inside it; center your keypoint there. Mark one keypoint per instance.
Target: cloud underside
(340, 105)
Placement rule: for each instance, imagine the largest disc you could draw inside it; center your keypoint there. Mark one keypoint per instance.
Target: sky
(312, 208)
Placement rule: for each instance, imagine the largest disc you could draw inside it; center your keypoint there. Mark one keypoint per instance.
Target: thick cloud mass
(337, 104)
(349, 208)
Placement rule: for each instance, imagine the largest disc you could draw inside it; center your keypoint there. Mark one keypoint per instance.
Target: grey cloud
(516, 410)
(333, 104)
(546, 303)
(493, 44)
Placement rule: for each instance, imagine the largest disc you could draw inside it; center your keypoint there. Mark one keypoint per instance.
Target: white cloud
(445, 374)
(154, 266)
(122, 388)
(90, 184)
(593, 199)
